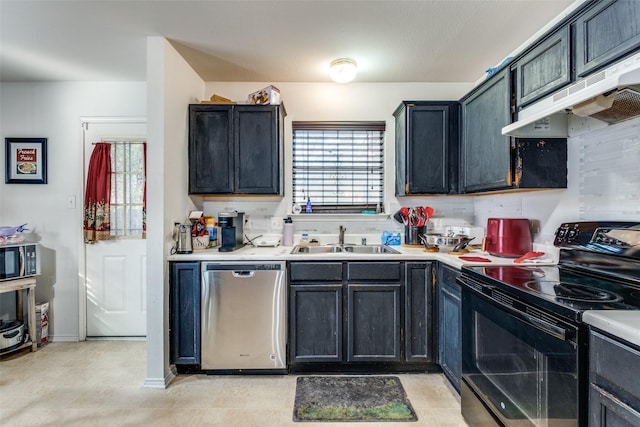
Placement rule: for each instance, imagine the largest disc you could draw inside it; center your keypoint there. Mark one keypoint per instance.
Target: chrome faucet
(341, 235)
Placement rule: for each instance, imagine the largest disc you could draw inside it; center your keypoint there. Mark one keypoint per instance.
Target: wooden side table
(19, 285)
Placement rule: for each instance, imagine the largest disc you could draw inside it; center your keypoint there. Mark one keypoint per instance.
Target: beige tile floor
(99, 383)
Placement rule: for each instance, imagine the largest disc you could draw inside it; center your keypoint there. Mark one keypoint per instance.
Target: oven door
(519, 365)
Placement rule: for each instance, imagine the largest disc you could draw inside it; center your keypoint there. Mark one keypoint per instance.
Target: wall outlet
(277, 223)
(247, 222)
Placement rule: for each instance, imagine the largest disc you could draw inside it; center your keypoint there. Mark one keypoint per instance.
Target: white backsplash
(261, 212)
(610, 172)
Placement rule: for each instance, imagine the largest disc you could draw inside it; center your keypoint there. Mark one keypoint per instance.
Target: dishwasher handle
(244, 274)
(242, 266)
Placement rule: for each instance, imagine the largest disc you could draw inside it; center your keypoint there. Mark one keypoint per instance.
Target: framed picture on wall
(26, 160)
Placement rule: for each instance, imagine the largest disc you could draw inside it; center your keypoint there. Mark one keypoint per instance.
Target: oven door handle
(548, 328)
(542, 325)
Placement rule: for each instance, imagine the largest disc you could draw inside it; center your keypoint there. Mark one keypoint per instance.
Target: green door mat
(361, 398)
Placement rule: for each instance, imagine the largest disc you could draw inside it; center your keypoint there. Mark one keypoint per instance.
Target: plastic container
(390, 238)
(213, 231)
(287, 234)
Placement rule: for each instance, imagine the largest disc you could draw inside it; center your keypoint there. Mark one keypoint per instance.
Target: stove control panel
(621, 238)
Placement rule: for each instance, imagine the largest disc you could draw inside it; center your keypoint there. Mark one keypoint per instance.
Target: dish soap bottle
(308, 210)
(287, 235)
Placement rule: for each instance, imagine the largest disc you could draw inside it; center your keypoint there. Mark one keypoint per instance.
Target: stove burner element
(573, 292)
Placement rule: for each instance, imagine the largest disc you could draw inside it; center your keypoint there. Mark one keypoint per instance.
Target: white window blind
(339, 166)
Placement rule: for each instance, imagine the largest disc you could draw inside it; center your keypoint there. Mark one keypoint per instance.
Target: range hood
(611, 95)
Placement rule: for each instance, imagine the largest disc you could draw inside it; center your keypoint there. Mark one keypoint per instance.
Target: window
(339, 166)
(127, 188)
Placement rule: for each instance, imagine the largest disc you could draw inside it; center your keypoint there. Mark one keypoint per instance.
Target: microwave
(19, 260)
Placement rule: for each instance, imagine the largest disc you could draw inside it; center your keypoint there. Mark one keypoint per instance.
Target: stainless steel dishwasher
(243, 316)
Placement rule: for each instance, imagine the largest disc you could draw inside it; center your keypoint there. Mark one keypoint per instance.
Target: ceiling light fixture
(343, 70)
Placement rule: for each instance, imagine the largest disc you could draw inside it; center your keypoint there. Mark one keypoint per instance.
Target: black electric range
(524, 346)
(596, 271)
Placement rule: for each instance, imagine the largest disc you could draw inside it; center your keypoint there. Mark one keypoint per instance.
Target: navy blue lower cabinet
(419, 314)
(184, 313)
(449, 324)
(315, 323)
(373, 312)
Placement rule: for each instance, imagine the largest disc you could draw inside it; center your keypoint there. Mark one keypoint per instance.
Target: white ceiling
(267, 40)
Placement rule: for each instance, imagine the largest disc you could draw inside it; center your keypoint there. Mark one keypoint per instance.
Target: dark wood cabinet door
(607, 410)
(485, 152)
(605, 33)
(210, 149)
(315, 322)
(258, 151)
(449, 324)
(545, 69)
(540, 163)
(184, 313)
(426, 147)
(418, 313)
(373, 325)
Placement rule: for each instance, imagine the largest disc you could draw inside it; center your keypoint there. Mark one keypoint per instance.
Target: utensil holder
(411, 233)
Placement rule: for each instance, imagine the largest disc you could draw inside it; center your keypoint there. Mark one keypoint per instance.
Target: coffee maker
(231, 230)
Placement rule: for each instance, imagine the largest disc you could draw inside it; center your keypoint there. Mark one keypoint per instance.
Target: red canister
(508, 237)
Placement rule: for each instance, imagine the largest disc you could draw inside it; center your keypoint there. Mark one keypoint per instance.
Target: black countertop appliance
(231, 230)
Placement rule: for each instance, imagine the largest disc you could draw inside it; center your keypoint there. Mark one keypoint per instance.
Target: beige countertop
(624, 324)
(283, 253)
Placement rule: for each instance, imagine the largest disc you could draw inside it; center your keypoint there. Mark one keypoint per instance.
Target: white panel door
(115, 270)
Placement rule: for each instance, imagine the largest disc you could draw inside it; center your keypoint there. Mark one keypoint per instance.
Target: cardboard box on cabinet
(270, 95)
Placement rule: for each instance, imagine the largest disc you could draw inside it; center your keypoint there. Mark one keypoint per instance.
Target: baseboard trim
(160, 383)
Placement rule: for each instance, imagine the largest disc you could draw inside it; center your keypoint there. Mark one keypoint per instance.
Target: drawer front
(375, 271)
(315, 271)
(448, 275)
(614, 363)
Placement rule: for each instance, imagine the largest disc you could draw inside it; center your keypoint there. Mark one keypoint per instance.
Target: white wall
(173, 85)
(53, 111)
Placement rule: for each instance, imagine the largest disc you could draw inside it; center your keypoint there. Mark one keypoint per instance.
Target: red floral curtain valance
(97, 195)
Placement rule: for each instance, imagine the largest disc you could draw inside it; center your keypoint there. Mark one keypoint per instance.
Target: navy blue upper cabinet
(485, 152)
(236, 149)
(544, 69)
(605, 33)
(258, 149)
(210, 149)
(426, 147)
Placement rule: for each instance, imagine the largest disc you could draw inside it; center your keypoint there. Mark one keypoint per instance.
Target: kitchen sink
(354, 249)
(370, 249)
(316, 249)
